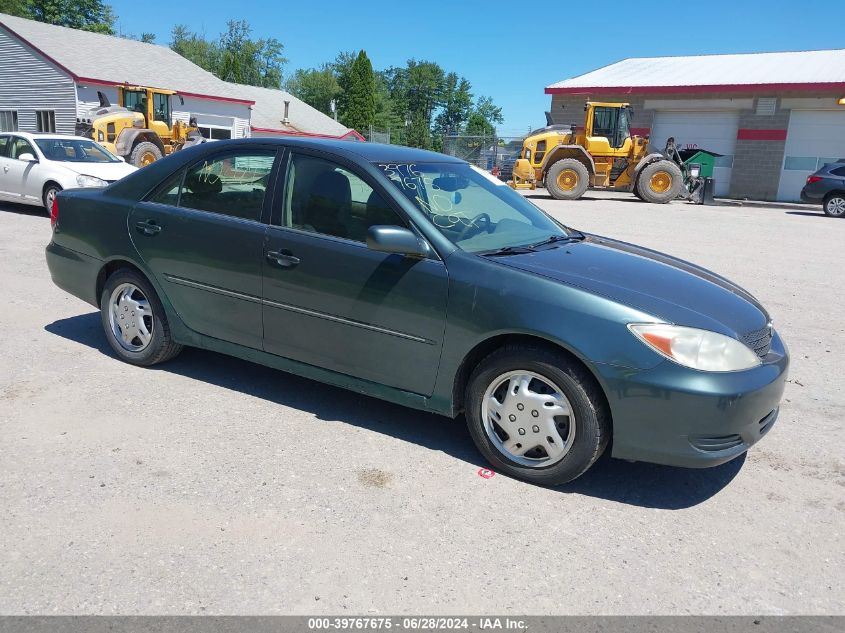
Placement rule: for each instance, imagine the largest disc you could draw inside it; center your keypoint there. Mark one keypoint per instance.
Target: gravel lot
(211, 485)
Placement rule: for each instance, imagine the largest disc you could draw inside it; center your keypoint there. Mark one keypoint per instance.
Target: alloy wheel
(528, 418)
(130, 317)
(836, 206)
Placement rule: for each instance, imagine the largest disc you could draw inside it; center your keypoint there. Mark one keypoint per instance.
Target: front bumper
(682, 417)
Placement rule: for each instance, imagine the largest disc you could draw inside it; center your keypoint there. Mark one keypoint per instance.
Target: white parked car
(35, 167)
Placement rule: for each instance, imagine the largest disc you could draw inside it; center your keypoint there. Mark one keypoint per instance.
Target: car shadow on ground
(814, 214)
(639, 484)
(23, 209)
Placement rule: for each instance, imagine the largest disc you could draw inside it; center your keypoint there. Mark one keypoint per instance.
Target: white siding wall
(209, 112)
(28, 82)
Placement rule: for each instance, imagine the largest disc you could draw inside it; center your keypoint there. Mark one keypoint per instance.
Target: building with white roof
(50, 76)
(775, 117)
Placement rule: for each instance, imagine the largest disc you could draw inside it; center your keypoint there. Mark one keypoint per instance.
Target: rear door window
(233, 184)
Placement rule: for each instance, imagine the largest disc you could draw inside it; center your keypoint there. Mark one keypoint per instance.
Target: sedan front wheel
(536, 414)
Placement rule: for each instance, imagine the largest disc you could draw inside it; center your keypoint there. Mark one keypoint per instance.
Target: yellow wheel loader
(139, 128)
(567, 159)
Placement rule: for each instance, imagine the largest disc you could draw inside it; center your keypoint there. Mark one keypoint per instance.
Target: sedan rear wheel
(536, 414)
(835, 206)
(134, 320)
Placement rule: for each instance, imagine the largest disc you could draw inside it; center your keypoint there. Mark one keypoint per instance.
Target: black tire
(142, 153)
(834, 205)
(574, 168)
(161, 346)
(592, 419)
(659, 170)
(636, 191)
(50, 191)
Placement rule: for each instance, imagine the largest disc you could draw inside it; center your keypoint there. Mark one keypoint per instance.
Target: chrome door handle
(283, 258)
(148, 227)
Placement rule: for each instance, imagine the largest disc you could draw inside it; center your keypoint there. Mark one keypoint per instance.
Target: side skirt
(366, 387)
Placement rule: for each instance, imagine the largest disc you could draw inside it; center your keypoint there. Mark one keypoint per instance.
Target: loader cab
(153, 104)
(608, 129)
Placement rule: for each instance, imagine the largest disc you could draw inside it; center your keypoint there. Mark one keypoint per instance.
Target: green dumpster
(702, 157)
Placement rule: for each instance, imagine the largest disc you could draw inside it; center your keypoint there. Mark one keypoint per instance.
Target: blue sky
(503, 54)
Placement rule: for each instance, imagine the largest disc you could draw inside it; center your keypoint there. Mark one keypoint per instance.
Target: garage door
(715, 131)
(813, 139)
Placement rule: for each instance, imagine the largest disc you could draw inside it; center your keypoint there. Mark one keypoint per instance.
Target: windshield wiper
(508, 250)
(577, 236)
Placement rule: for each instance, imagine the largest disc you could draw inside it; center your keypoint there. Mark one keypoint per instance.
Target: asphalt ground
(210, 485)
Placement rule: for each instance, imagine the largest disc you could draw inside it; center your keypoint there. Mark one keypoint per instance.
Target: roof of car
(47, 135)
(356, 150)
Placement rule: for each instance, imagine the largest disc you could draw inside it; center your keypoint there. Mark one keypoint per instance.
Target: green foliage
(456, 105)
(88, 15)
(316, 87)
(360, 104)
(486, 108)
(235, 56)
(478, 125)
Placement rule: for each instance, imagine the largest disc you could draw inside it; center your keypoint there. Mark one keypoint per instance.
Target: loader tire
(144, 153)
(567, 179)
(660, 182)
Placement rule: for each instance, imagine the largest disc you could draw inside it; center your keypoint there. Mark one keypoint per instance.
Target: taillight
(54, 212)
(812, 179)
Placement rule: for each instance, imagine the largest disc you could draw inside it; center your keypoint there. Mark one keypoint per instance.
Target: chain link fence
(495, 154)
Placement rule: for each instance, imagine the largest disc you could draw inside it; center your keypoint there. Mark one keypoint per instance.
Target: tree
(88, 15)
(316, 87)
(234, 56)
(342, 68)
(456, 105)
(360, 110)
(195, 48)
(486, 108)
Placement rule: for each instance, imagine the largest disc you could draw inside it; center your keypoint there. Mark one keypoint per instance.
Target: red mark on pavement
(485, 473)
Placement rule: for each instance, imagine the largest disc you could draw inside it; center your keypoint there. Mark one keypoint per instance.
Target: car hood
(667, 287)
(106, 171)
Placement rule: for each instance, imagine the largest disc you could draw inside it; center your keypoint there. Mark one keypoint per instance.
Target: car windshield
(473, 209)
(75, 151)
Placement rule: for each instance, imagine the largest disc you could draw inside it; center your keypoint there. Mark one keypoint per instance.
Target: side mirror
(26, 156)
(121, 159)
(395, 239)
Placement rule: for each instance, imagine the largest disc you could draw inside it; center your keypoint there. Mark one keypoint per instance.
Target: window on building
(8, 120)
(215, 133)
(807, 163)
(45, 121)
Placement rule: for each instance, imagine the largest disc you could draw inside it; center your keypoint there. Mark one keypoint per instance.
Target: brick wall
(759, 154)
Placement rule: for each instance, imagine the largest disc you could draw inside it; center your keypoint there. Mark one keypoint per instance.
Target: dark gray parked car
(827, 188)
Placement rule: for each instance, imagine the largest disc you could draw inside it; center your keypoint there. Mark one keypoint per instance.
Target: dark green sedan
(417, 278)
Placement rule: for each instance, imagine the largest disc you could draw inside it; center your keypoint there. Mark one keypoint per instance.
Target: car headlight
(699, 349)
(90, 181)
